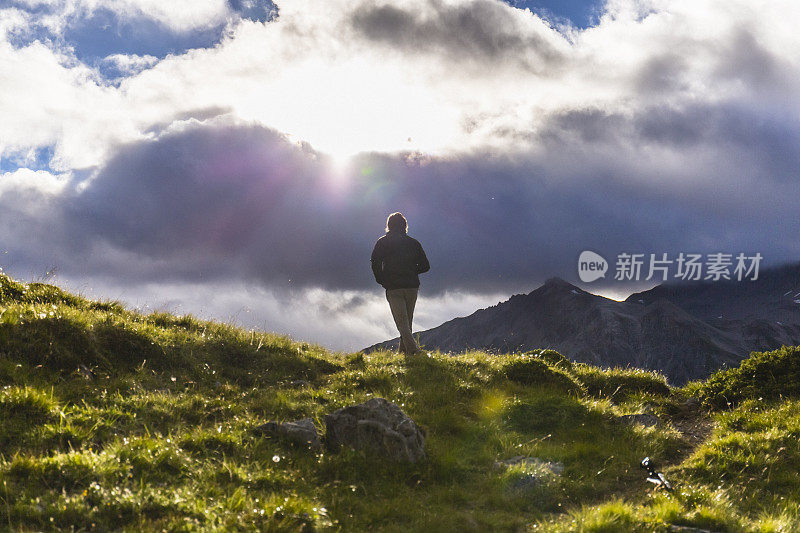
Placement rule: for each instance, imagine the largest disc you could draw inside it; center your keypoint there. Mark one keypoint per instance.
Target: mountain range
(684, 330)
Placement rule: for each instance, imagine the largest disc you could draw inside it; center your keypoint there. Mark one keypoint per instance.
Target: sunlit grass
(113, 419)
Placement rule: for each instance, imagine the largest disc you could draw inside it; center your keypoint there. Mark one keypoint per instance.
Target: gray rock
(301, 432)
(379, 426)
(645, 419)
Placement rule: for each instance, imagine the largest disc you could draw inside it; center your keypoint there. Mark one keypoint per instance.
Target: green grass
(771, 375)
(116, 420)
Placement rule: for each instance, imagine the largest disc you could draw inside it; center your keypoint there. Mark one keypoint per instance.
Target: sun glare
(341, 111)
(340, 162)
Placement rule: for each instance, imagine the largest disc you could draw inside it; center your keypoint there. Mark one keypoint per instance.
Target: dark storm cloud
(218, 201)
(30, 241)
(766, 144)
(478, 31)
(223, 201)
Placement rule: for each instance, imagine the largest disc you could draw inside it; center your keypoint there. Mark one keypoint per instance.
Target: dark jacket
(397, 260)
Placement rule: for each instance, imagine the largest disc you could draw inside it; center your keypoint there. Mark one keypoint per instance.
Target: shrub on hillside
(36, 293)
(530, 370)
(10, 290)
(552, 358)
(766, 375)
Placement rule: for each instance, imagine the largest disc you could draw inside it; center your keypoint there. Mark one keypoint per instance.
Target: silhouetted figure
(397, 260)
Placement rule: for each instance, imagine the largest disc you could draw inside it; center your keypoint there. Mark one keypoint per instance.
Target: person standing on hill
(397, 260)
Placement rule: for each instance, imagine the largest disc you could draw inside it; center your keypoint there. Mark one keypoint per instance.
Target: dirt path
(694, 429)
(695, 426)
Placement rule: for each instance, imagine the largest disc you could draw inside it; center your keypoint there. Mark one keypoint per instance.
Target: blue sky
(223, 161)
(95, 34)
(581, 13)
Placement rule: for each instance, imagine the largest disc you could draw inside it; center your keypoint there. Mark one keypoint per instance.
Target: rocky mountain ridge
(684, 330)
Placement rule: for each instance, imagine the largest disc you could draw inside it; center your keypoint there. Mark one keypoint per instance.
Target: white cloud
(179, 15)
(48, 99)
(10, 19)
(40, 181)
(340, 320)
(130, 64)
(320, 74)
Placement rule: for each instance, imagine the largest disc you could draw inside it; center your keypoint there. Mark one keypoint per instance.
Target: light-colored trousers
(402, 302)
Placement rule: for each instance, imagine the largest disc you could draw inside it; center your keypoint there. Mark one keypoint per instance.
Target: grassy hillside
(110, 419)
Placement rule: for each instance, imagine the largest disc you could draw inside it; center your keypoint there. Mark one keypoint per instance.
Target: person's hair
(396, 222)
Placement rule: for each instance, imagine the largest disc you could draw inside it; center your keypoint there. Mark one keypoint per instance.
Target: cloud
(219, 200)
(487, 33)
(24, 179)
(178, 15)
(128, 64)
(511, 146)
(341, 320)
(58, 103)
(431, 76)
